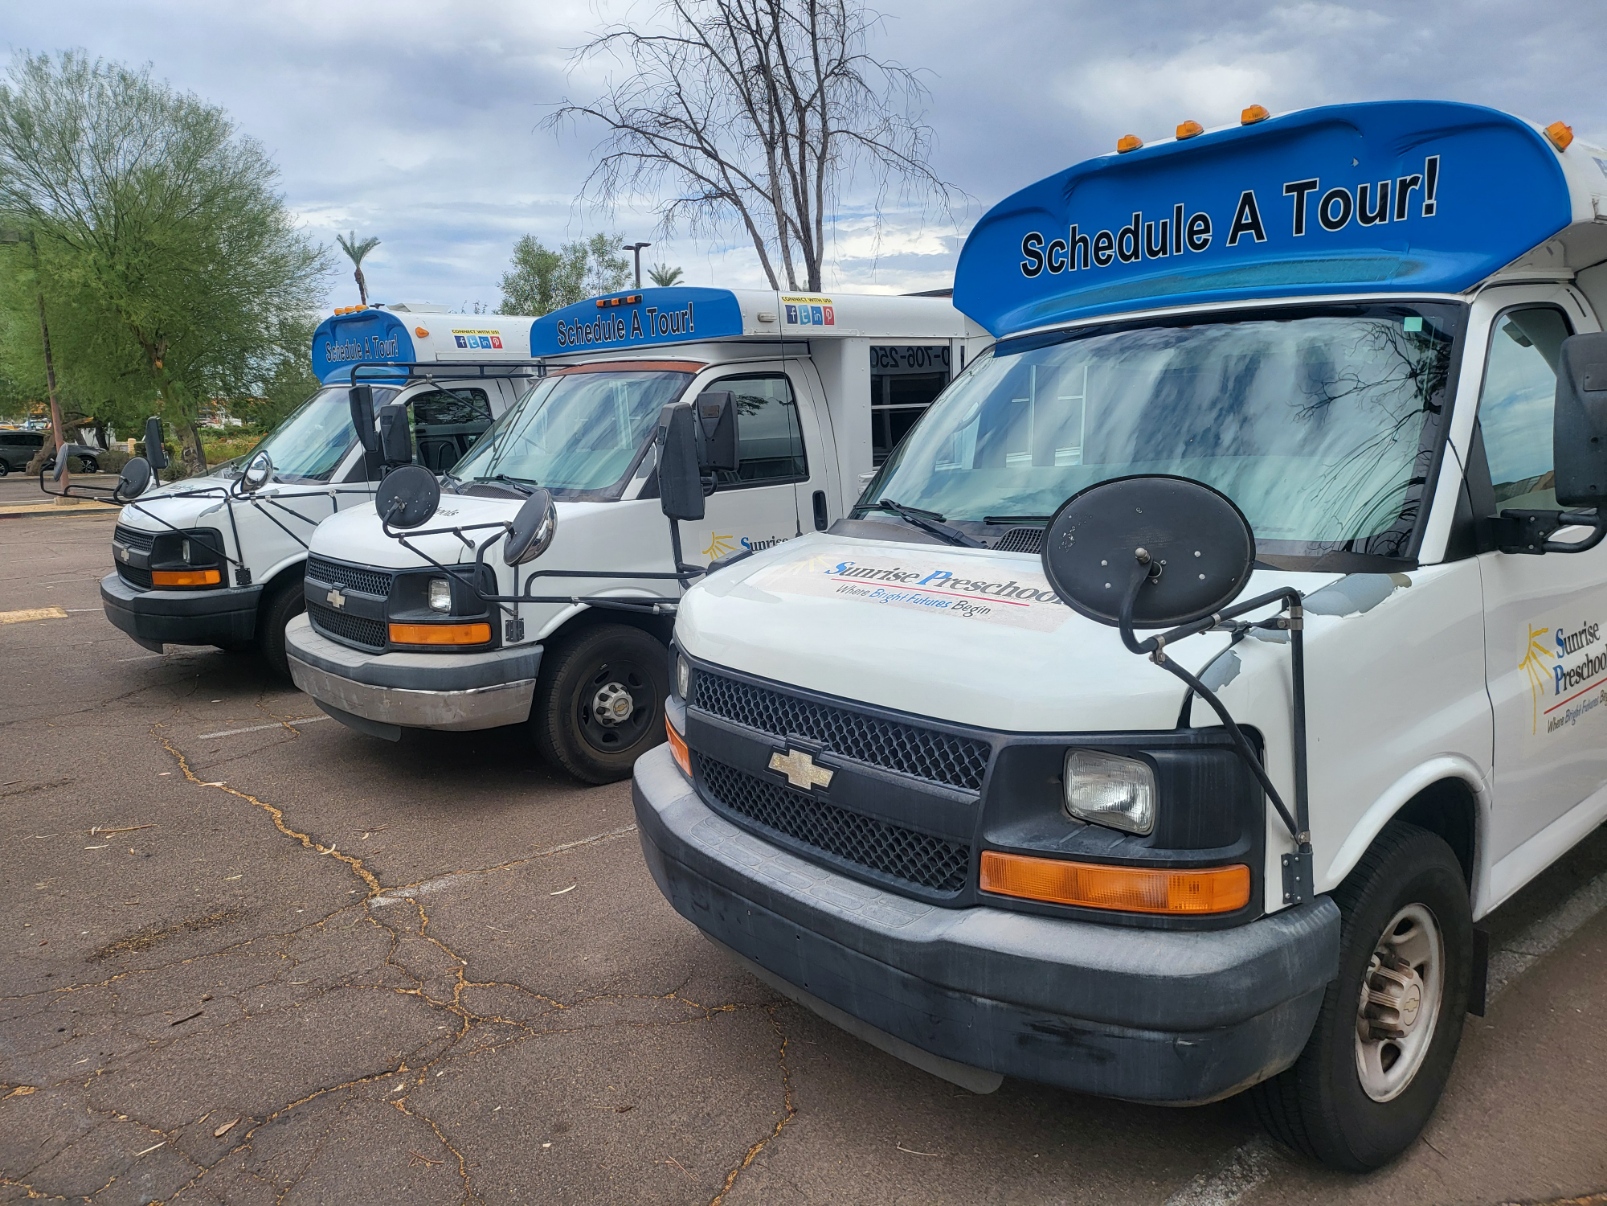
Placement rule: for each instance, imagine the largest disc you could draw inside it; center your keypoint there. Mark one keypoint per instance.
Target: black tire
(1319, 1107)
(596, 664)
(89, 464)
(5, 467)
(283, 602)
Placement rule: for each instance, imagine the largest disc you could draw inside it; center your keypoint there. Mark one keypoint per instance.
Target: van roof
(657, 317)
(1389, 196)
(376, 335)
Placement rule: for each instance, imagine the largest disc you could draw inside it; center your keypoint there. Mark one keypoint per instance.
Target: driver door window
(1515, 407)
(770, 444)
(446, 423)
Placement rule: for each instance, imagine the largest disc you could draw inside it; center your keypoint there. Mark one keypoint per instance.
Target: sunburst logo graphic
(719, 546)
(1533, 666)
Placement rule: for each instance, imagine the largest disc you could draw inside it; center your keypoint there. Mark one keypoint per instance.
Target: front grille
(905, 749)
(352, 630)
(134, 576)
(351, 577)
(934, 863)
(1021, 540)
(135, 539)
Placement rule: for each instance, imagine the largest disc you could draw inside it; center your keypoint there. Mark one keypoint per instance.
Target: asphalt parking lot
(250, 956)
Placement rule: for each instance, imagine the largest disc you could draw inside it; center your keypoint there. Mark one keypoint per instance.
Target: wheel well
(1448, 809)
(658, 627)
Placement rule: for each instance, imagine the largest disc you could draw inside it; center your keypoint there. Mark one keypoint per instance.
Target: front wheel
(285, 601)
(89, 464)
(4, 467)
(1381, 1051)
(600, 701)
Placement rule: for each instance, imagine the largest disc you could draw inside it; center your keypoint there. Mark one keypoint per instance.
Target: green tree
(171, 265)
(355, 250)
(542, 280)
(664, 276)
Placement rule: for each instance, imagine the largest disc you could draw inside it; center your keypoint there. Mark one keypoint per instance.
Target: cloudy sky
(420, 121)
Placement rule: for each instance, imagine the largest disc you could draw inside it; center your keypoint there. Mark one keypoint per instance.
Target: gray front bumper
(1148, 1015)
(384, 693)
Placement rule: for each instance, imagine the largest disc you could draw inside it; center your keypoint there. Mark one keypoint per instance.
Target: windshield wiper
(522, 484)
(927, 521)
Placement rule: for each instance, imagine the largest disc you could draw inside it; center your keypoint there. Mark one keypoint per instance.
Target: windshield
(310, 444)
(1320, 426)
(576, 433)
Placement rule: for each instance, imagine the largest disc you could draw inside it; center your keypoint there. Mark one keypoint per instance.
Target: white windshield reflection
(311, 443)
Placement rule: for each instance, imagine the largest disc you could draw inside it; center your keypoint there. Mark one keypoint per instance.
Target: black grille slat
(922, 859)
(138, 578)
(353, 630)
(349, 577)
(133, 538)
(1021, 540)
(904, 749)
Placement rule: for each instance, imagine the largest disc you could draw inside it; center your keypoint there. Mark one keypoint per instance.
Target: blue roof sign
(1420, 196)
(367, 336)
(641, 318)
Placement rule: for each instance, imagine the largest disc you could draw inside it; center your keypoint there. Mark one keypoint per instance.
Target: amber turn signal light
(678, 749)
(199, 577)
(1253, 114)
(441, 634)
(1128, 889)
(421, 332)
(1189, 129)
(1128, 142)
(1561, 134)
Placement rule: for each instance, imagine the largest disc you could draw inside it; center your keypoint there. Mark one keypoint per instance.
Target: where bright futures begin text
(1370, 205)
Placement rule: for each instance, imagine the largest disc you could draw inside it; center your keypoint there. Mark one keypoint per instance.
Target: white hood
(971, 636)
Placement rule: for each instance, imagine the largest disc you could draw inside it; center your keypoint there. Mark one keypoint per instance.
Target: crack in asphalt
(409, 933)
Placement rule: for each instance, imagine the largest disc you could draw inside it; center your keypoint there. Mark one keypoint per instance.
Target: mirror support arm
(1298, 868)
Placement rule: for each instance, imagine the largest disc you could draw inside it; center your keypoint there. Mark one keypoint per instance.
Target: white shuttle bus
(1242, 644)
(218, 560)
(422, 613)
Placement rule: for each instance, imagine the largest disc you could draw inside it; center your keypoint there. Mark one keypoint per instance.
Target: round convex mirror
(532, 530)
(257, 473)
(408, 496)
(131, 482)
(1199, 539)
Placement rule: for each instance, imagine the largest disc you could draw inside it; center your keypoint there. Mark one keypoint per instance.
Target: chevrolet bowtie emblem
(801, 770)
(123, 553)
(335, 598)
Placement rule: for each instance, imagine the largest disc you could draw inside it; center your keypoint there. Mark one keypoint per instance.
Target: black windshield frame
(1396, 548)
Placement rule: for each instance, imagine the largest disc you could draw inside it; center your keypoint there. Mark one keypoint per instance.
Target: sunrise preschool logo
(1563, 662)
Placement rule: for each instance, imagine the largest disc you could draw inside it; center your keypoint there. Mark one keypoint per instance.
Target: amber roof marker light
(1253, 114)
(1560, 134)
(1189, 129)
(1128, 142)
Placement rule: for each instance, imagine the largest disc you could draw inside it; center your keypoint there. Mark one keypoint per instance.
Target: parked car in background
(17, 448)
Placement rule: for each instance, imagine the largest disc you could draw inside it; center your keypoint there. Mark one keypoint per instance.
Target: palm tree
(356, 249)
(663, 275)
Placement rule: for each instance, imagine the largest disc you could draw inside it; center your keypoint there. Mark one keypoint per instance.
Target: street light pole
(60, 430)
(637, 248)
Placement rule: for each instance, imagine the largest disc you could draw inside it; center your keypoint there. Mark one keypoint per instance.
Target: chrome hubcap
(612, 705)
(1400, 1000)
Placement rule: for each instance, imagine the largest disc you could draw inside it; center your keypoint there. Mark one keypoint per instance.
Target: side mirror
(407, 497)
(1148, 552)
(395, 439)
(131, 482)
(532, 530)
(1579, 422)
(257, 473)
(154, 452)
(362, 403)
(70, 450)
(717, 430)
(680, 479)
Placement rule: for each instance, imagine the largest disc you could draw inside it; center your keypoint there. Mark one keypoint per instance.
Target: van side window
(1515, 406)
(769, 438)
(446, 423)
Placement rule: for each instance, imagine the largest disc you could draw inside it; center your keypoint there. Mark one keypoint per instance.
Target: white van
(822, 388)
(910, 786)
(205, 561)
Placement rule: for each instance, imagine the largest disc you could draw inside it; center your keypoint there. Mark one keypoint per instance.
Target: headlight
(1106, 790)
(683, 677)
(440, 595)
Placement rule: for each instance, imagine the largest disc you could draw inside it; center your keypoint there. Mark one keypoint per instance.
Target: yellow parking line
(32, 613)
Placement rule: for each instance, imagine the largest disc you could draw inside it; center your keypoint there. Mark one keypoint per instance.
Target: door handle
(820, 510)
